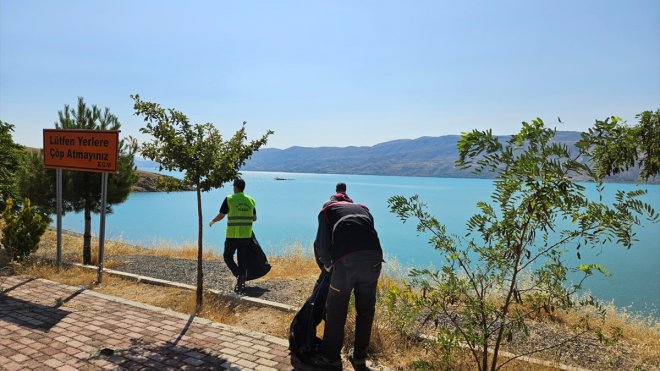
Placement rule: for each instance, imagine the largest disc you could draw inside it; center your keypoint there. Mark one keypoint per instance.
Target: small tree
(82, 189)
(198, 151)
(10, 159)
(481, 289)
(23, 229)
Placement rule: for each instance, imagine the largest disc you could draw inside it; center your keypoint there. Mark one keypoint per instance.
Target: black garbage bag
(303, 341)
(257, 264)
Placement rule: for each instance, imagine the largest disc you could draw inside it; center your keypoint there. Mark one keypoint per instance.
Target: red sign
(87, 150)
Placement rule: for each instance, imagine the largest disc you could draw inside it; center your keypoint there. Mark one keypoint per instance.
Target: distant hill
(425, 156)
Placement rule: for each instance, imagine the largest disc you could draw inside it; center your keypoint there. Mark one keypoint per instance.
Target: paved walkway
(45, 325)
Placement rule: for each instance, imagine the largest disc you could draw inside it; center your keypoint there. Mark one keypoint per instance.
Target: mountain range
(425, 156)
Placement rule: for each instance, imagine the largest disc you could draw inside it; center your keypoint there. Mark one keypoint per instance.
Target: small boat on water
(278, 178)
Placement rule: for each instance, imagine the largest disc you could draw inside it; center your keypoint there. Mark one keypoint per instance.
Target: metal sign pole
(58, 187)
(104, 196)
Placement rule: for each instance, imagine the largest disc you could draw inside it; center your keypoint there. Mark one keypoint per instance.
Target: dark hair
(341, 187)
(239, 183)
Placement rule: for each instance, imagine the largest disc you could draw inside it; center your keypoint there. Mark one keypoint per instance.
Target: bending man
(348, 245)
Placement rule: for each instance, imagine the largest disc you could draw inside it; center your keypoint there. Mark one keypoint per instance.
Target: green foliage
(10, 158)
(509, 266)
(36, 182)
(615, 147)
(82, 189)
(23, 229)
(400, 313)
(198, 151)
(422, 366)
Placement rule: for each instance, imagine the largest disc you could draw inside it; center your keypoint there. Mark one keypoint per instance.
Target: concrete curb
(165, 283)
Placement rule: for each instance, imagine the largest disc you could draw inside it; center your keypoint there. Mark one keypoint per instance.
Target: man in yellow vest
(241, 213)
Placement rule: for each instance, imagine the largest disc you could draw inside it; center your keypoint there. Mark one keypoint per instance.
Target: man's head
(239, 185)
(341, 187)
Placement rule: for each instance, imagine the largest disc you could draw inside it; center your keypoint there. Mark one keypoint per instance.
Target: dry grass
(187, 250)
(641, 333)
(72, 249)
(293, 263)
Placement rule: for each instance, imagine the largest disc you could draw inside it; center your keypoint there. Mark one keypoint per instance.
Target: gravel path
(216, 276)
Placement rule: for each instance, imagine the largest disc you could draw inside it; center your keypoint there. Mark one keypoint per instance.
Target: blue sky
(334, 73)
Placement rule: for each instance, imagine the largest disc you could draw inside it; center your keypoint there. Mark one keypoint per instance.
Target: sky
(332, 73)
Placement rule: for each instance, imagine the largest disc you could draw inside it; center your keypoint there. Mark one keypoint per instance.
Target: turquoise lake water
(287, 211)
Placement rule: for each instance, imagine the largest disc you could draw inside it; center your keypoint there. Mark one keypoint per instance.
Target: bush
(23, 229)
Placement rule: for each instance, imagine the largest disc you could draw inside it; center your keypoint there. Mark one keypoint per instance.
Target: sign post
(83, 150)
(58, 189)
(104, 196)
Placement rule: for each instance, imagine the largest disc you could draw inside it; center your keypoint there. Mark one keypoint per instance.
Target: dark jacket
(345, 228)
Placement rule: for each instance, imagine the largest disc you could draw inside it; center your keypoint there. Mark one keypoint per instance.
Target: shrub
(23, 229)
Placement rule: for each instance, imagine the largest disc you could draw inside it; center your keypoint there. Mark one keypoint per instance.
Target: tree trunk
(200, 273)
(505, 308)
(87, 238)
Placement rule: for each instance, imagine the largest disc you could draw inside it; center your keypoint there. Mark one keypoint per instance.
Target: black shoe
(358, 364)
(326, 364)
(240, 285)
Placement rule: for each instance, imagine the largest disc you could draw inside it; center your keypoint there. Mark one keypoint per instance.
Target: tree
(82, 189)
(198, 151)
(10, 159)
(615, 147)
(521, 233)
(36, 182)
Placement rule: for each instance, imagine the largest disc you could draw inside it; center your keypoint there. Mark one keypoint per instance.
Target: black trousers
(240, 247)
(349, 276)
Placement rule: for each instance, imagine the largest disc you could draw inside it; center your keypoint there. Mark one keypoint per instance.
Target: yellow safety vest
(240, 217)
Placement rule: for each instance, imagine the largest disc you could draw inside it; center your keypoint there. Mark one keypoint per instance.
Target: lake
(287, 211)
